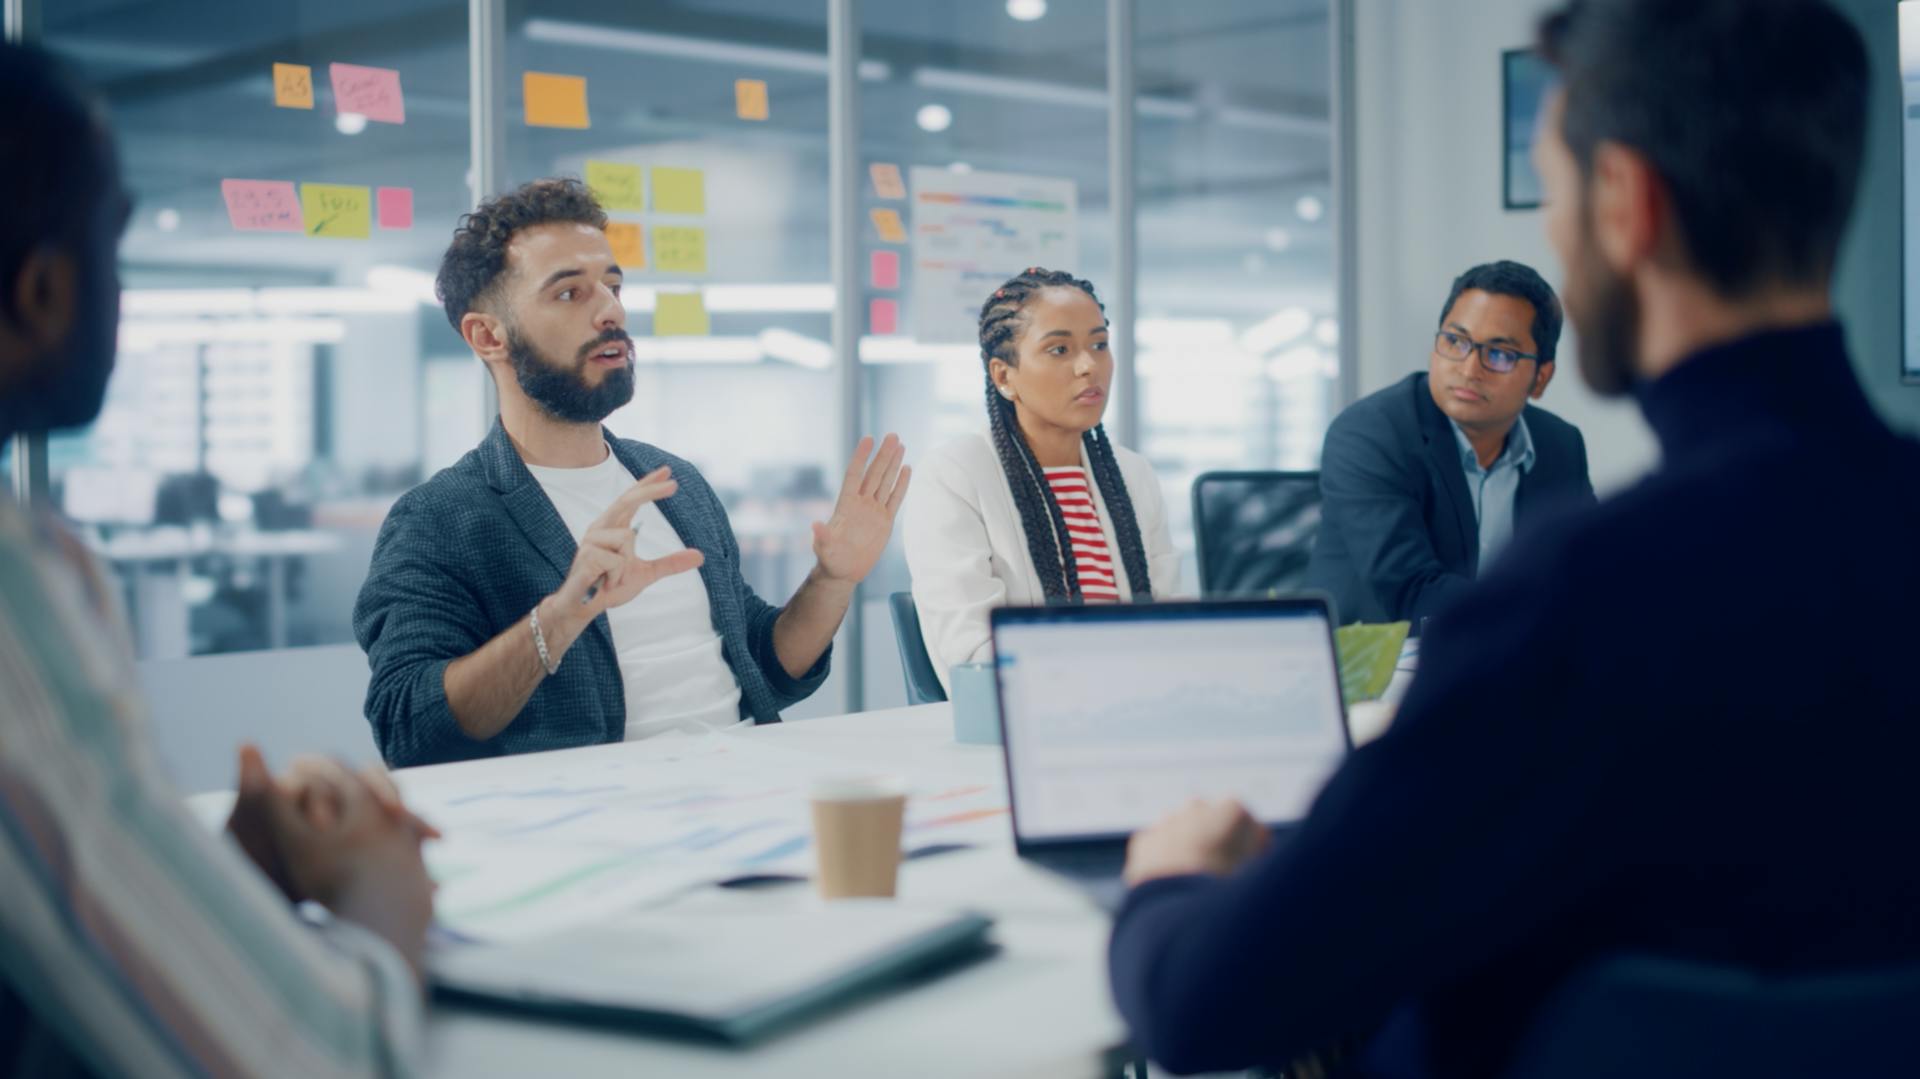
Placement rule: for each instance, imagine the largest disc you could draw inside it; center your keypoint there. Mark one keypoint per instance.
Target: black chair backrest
(1652, 1017)
(1254, 531)
(916, 667)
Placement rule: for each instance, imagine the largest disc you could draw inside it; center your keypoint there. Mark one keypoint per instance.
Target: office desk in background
(1040, 1008)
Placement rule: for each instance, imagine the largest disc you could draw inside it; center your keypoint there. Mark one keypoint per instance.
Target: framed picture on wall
(1910, 191)
(1523, 83)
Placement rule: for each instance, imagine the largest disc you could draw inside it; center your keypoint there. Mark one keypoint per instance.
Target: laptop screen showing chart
(1115, 716)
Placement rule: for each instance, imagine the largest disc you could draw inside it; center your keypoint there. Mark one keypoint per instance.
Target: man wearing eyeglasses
(1424, 481)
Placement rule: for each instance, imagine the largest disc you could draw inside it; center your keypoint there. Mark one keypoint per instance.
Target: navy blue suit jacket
(468, 553)
(1680, 723)
(1398, 536)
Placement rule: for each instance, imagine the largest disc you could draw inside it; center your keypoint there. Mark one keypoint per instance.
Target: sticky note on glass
(888, 222)
(293, 86)
(886, 180)
(679, 250)
(554, 100)
(886, 269)
(628, 243)
(373, 92)
(396, 207)
(680, 314)
(679, 191)
(750, 99)
(617, 186)
(337, 211)
(883, 317)
(262, 205)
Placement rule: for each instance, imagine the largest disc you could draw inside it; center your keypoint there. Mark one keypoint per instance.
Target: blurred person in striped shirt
(133, 940)
(1043, 507)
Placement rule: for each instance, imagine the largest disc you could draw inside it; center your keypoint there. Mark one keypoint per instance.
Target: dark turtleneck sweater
(1684, 722)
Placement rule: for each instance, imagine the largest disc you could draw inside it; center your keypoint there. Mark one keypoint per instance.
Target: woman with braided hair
(1041, 508)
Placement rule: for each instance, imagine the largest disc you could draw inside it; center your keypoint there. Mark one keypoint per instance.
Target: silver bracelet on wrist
(540, 643)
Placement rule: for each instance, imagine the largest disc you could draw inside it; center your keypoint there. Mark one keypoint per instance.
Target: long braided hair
(1002, 320)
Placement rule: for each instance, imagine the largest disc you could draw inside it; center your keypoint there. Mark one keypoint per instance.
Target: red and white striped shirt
(1090, 554)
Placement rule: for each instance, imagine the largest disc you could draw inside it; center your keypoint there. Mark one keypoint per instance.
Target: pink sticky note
(263, 205)
(886, 269)
(373, 92)
(883, 316)
(396, 207)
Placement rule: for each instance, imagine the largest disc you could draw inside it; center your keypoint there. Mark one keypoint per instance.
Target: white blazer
(967, 551)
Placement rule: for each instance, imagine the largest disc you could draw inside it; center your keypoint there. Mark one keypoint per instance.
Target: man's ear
(1628, 203)
(485, 334)
(45, 297)
(1542, 375)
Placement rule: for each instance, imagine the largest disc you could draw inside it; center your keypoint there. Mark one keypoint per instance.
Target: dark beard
(562, 392)
(1606, 315)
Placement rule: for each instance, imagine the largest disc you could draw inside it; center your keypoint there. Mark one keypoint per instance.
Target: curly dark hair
(471, 267)
(1002, 320)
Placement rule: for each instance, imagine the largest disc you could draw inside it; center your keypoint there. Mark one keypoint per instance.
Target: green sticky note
(1368, 655)
(617, 186)
(339, 211)
(680, 314)
(679, 250)
(679, 191)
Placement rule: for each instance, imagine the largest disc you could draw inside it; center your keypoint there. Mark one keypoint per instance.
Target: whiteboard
(972, 231)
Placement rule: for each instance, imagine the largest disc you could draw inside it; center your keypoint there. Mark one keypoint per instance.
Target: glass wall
(285, 373)
(282, 374)
(1237, 342)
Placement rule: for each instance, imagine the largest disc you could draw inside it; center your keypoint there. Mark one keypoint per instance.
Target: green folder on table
(732, 976)
(1368, 656)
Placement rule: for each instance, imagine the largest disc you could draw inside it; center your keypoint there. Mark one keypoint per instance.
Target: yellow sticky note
(617, 186)
(680, 314)
(628, 243)
(679, 191)
(339, 211)
(750, 99)
(554, 100)
(293, 86)
(679, 250)
(891, 230)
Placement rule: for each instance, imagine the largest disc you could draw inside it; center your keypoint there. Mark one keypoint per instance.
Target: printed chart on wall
(972, 231)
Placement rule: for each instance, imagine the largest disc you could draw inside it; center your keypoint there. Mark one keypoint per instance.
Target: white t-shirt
(671, 660)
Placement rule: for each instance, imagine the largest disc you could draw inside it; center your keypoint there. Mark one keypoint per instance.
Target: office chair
(1254, 530)
(916, 667)
(1650, 1017)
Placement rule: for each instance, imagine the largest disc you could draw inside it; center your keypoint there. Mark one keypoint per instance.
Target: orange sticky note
(886, 180)
(628, 243)
(293, 86)
(554, 100)
(888, 222)
(750, 99)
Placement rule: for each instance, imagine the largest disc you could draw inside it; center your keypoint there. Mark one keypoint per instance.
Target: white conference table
(1039, 1008)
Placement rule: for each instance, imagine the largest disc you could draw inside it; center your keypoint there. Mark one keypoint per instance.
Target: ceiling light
(167, 220)
(350, 123)
(1310, 208)
(934, 118)
(1026, 10)
(1279, 239)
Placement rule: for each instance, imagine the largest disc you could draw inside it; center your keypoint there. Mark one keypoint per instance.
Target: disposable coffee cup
(856, 830)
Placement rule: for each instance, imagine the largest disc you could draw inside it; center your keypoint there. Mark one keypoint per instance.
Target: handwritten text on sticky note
(617, 186)
(554, 100)
(373, 92)
(338, 211)
(262, 205)
(628, 242)
(679, 250)
(886, 180)
(680, 314)
(888, 222)
(293, 86)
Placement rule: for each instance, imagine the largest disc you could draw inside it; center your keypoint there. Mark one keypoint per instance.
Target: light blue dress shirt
(1493, 489)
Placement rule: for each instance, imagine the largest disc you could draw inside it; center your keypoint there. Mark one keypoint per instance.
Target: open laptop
(1116, 715)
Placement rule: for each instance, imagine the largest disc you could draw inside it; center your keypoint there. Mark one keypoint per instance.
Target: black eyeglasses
(1456, 346)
